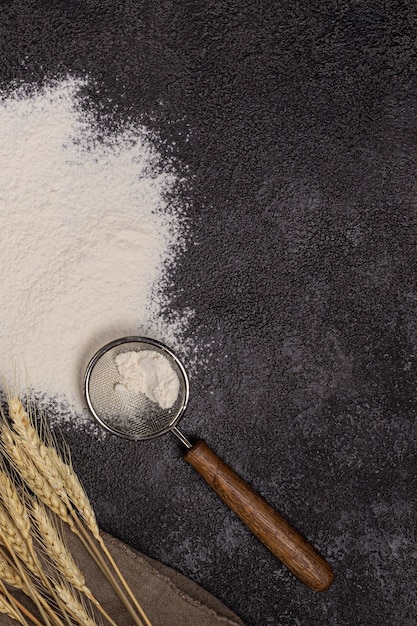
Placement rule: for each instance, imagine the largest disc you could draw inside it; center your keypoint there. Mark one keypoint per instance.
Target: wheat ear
(65, 484)
(74, 606)
(12, 538)
(59, 474)
(10, 575)
(55, 547)
(15, 533)
(30, 473)
(13, 503)
(15, 526)
(75, 492)
(10, 544)
(18, 539)
(30, 440)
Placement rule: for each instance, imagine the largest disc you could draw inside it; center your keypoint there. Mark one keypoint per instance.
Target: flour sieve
(133, 415)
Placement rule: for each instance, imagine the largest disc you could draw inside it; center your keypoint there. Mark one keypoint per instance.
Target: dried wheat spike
(11, 500)
(53, 543)
(74, 606)
(28, 437)
(32, 477)
(55, 471)
(14, 541)
(10, 576)
(76, 493)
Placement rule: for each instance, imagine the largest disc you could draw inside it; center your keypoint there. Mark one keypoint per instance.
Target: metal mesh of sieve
(131, 414)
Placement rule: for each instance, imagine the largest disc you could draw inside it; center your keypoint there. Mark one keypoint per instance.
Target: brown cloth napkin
(167, 597)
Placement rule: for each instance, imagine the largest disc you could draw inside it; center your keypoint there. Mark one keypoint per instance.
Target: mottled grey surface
(294, 127)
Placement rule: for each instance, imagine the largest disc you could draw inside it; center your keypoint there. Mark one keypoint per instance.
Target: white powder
(150, 373)
(85, 239)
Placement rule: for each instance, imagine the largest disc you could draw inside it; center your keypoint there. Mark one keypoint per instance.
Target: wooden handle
(263, 520)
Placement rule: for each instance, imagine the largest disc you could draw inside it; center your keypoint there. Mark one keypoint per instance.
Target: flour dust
(86, 237)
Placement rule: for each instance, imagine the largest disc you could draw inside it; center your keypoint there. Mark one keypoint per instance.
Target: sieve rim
(148, 341)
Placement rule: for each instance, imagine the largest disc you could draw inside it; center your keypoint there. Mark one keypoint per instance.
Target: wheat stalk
(7, 608)
(19, 609)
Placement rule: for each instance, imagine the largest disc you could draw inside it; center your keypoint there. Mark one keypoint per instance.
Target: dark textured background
(293, 125)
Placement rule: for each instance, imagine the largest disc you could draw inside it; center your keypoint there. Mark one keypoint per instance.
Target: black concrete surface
(293, 128)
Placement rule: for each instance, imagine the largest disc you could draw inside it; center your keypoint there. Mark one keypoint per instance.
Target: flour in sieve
(150, 373)
(86, 236)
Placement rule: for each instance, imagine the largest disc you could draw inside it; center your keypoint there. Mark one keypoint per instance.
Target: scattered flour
(84, 227)
(150, 373)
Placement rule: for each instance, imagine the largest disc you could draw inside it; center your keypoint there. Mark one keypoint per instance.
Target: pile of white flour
(85, 239)
(148, 372)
